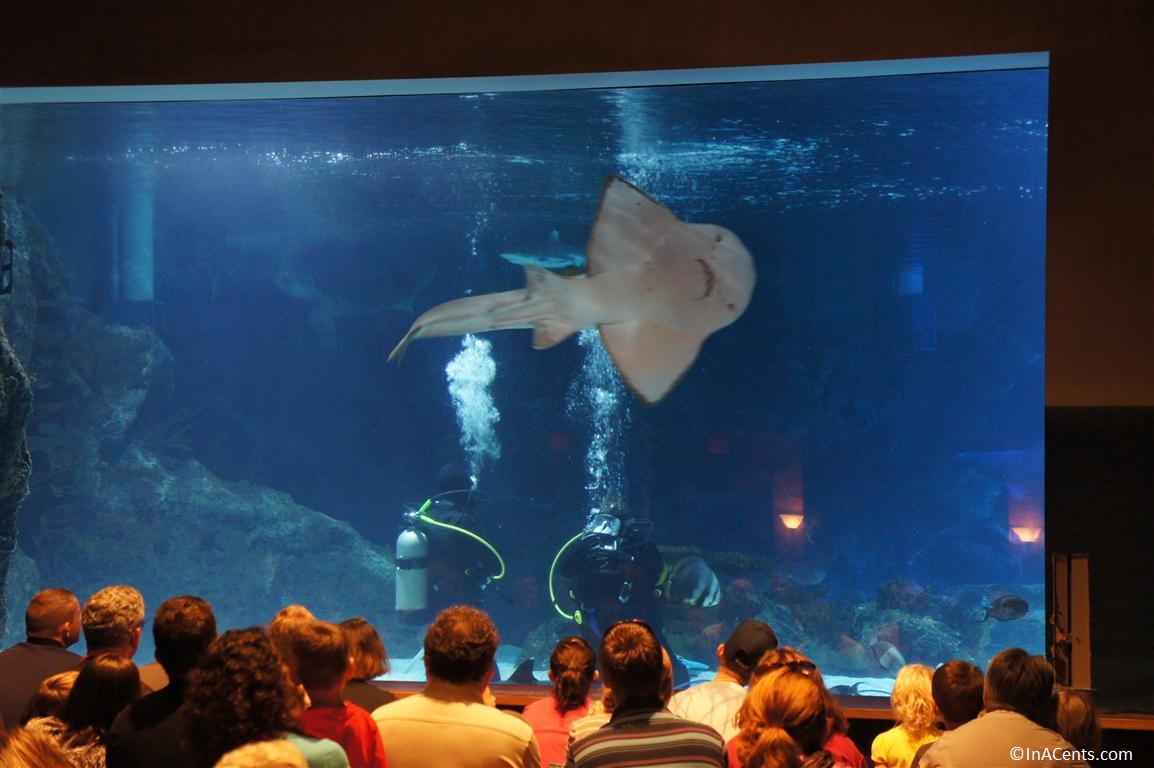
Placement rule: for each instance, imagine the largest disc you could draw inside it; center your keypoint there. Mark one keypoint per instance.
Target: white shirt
(714, 703)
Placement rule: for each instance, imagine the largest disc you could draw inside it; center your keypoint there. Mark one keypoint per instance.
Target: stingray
(655, 287)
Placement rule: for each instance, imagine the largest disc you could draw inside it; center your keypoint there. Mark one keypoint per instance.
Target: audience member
(837, 743)
(716, 703)
(448, 724)
(1013, 732)
(280, 632)
(22, 748)
(600, 712)
(370, 659)
(147, 734)
(105, 685)
(50, 696)
(322, 658)
(113, 621)
(641, 731)
(1078, 719)
(51, 625)
(957, 689)
(264, 754)
(572, 669)
(238, 694)
(912, 700)
(783, 723)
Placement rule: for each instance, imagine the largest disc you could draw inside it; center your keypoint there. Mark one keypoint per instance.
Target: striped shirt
(651, 737)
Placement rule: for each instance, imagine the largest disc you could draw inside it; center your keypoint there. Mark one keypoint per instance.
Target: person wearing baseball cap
(716, 702)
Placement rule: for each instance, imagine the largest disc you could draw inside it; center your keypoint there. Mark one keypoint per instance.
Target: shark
(655, 287)
(553, 255)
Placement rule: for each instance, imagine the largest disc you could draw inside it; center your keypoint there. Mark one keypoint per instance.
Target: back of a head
(453, 477)
(631, 661)
(104, 685)
(460, 645)
(785, 656)
(283, 628)
(50, 695)
(957, 690)
(369, 655)
(47, 610)
(572, 666)
(321, 651)
(1078, 719)
(277, 753)
(111, 616)
(746, 645)
(22, 748)
(912, 700)
(183, 628)
(782, 720)
(1019, 682)
(237, 694)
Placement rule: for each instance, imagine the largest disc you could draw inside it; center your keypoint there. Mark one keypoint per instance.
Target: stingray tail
(544, 299)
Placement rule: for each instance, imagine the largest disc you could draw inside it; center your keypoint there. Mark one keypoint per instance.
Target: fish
(655, 288)
(693, 582)
(1006, 608)
(888, 656)
(553, 255)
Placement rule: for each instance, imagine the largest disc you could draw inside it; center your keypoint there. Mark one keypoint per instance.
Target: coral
(902, 595)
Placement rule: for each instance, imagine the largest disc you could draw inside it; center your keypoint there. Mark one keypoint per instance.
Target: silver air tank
(412, 570)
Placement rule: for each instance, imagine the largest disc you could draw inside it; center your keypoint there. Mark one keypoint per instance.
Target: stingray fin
(628, 222)
(652, 358)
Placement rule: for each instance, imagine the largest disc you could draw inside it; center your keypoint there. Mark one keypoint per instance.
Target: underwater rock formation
(108, 505)
(15, 408)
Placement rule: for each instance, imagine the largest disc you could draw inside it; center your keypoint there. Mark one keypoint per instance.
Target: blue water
(887, 379)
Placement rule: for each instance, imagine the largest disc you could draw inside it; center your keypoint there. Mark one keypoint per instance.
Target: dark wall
(1100, 280)
(1099, 492)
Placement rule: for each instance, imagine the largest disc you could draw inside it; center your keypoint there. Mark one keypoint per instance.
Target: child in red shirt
(322, 666)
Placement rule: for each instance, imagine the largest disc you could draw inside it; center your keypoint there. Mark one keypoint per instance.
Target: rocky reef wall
(111, 501)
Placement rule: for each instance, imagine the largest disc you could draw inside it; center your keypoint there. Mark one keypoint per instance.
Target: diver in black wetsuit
(460, 564)
(615, 572)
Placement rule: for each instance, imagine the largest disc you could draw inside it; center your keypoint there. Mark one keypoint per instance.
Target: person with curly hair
(239, 693)
(912, 700)
(782, 722)
(104, 686)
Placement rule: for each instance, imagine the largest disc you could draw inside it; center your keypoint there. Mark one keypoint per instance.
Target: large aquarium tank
(827, 415)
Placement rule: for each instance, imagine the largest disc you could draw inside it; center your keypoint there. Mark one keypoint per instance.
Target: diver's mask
(603, 531)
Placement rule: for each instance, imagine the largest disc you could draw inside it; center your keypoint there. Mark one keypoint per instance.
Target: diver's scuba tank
(412, 570)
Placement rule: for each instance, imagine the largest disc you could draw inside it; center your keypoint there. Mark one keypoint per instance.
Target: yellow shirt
(895, 748)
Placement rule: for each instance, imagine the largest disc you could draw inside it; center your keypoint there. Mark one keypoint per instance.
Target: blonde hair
(912, 700)
(782, 720)
(277, 753)
(1078, 719)
(50, 695)
(22, 748)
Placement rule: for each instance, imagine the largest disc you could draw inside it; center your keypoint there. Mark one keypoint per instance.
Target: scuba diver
(440, 561)
(615, 572)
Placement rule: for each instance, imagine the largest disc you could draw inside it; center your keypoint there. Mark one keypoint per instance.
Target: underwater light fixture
(790, 521)
(1027, 534)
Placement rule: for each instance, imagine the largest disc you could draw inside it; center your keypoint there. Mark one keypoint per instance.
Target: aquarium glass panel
(756, 343)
